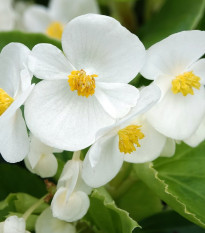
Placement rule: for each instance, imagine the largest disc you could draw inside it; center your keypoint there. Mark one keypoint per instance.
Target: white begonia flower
(13, 224)
(15, 87)
(52, 20)
(174, 65)
(198, 136)
(7, 15)
(87, 89)
(41, 159)
(46, 223)
(131, 139)
(71, 202)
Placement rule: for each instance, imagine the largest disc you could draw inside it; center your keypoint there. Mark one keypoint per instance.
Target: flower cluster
(85, 100)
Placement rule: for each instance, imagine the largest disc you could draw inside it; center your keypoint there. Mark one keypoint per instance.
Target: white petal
(169, 148)
(15, 225)
(13, 138)
(178, 116)
(61, 118)
(72, 209)
(102, 162)
(116, 98)
(173, 55)
(46, 223)
(198, 69)
(36, 18)
(65, 10)
(151, 145)
(13, 60)
(100, 45)
(48, 62)
(7, 21)
(198, 136)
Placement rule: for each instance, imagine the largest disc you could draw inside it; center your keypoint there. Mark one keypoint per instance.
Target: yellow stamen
(55, 30)
(129, 136)
(83, 83)
(5, 101)
(185, 83)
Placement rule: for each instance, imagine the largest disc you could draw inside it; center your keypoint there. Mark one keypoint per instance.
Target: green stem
(33, 207)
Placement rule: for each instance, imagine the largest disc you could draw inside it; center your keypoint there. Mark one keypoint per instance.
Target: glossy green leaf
(175, 16)
(168, 222)
(15, 179)
(179, 181)
(140, 201)
(106, 217)
(28, 39)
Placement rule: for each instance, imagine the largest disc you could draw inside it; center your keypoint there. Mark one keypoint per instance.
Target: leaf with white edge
(106, 217)
(175, 16)
(179, 181)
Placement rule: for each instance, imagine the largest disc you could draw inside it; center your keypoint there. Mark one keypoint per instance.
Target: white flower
(41, 159)
(67, 108)
(175, 67)
(71, 202)
(15, 87)
(52, 20)
(198, 136)
(131, 139)
(46, 223)
(13, 224)
(7, 15)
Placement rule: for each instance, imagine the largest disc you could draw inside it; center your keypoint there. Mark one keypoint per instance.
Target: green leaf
(106, 216)
(168, 222)
(28, 39)
(140, 201)
(15, 179)
(179, 181)
(175, 16)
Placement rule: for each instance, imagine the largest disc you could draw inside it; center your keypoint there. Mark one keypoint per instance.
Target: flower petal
(14, 224)
(102, 162)
(177, 116)
(100, 45)
(116, 98)
(36, 18)
(199, 70)
(65, 10)
(151, 145)
(44, 66)
(13, 60)
(14, 138)
(169, 148)
(173, 55)
(71, 209)
(198, 136)
(46, 223)
(62, 119)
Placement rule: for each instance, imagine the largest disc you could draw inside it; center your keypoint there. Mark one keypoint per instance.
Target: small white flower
(13, 224)
(46, 223)
(41, 159)
(198, 136)
(174, 65)
(87, 89)
(71, 202)
(15, 87)
(52, 20)
(131, 139)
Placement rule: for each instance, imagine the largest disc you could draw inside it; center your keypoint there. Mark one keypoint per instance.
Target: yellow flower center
(185, 83)
(129, 137)
(5, 101)
(83, 83)
(55, 30)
